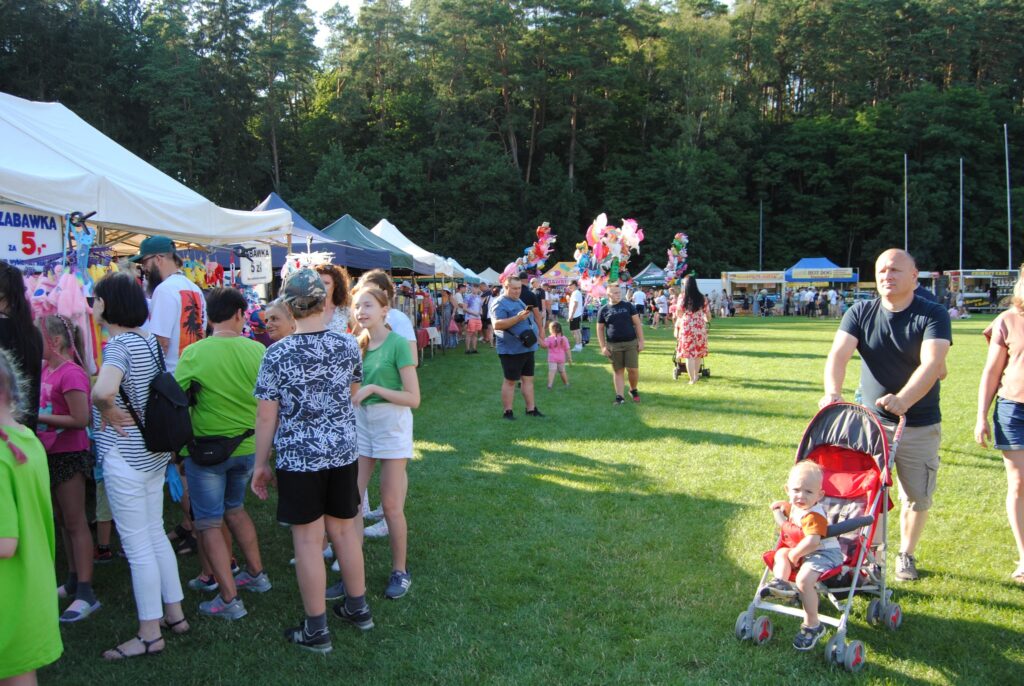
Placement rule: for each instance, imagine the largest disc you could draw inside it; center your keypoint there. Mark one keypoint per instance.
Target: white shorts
(384, 431)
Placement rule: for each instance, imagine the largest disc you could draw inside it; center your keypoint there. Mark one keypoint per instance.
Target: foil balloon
(534, 256)
(603, 256)
(676, 266)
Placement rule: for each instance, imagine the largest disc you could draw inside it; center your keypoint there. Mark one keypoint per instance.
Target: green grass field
(607, 544)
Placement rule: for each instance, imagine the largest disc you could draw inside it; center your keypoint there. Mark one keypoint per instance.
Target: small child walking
(559, 353)
(813, 553)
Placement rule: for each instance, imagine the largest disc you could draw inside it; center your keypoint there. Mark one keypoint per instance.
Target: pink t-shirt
(1007, 330)
(54, 384)
(558, 347)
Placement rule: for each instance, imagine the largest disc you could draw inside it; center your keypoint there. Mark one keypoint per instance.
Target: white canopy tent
(489, 276)
(391, 234)
(53, 161)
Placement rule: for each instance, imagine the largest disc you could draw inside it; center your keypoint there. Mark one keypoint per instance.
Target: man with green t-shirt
(220, 372)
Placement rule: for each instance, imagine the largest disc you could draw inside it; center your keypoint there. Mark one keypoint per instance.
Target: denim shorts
(1008, 425)
(217, 489)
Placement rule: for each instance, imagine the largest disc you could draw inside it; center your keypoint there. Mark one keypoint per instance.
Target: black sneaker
(778, 588)
(508, 415)
(361, 619)
(535, 413)
(320, 642)
(619, 400)
(808, 637)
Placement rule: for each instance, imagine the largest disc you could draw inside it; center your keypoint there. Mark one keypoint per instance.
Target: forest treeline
(469, 122)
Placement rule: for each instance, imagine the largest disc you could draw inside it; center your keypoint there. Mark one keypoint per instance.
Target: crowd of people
(330, 402)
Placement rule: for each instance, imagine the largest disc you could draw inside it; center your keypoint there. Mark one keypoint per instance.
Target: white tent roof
(392, 235)
(489, 276)
(53, 161)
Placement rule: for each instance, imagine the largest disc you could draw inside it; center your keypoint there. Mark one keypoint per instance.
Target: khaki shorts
(917, 464)
(624, 354)
(102, 503)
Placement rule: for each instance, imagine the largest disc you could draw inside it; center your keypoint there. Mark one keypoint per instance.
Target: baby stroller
(849, 444)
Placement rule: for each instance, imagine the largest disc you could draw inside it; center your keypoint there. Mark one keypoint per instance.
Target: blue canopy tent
(345, 254)
(812, 269)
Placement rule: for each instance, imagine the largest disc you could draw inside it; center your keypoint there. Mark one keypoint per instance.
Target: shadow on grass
(772, 355)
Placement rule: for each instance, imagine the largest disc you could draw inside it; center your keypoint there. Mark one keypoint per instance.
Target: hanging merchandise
(534, 256)
(677, 253)
(603, 257)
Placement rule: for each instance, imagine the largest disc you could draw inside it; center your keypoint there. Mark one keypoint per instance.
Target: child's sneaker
(102, 555)
(336, 591)
(218, 608)
(808, 637)
(319, 642)
(398, 585)
(779, 589)
(636, 394)
(258, 584)
(361, 618)
(203, 583)
(619, 400)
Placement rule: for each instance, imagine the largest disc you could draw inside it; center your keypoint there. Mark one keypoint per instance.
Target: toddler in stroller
(805, 546)
(841, 499)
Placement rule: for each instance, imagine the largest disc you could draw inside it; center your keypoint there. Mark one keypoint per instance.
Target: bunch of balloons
(534, 256)
(676, 267)
(603, 257)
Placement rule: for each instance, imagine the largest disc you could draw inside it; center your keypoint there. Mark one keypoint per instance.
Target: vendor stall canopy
(812, 269)
(53, 161)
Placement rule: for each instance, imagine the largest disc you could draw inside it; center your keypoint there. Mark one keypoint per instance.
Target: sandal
(116, 653)
(180, 533)
(164, 624)
(187, 545)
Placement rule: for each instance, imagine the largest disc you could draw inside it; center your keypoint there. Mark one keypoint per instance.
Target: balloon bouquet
(676, 267)
(603, 257)
(534, 256)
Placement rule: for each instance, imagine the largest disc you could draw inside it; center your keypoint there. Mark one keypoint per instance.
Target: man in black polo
(621, 337)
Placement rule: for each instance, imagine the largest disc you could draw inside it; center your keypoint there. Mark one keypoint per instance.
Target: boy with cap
(305, 388)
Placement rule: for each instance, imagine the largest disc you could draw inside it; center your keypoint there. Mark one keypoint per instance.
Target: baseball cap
(154, 245)
(304, 290)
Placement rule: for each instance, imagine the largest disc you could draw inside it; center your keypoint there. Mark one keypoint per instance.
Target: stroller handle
(848, 525)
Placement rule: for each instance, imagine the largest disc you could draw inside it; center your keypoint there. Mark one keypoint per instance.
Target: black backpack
(168, 426)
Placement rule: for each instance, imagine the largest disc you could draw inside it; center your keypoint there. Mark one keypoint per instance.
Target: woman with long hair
(19, 337)
(691, 330)
(336, 308)
(1003, 379)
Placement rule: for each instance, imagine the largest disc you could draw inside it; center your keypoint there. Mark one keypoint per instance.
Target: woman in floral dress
(691, 328)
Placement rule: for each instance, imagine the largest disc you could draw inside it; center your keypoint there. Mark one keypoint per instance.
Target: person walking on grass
(472, 305)
(305, 388)
(691, 328)
(621, 337)
(1003, 379)
(220, 373)
(575, 315)
(516, 330)
(903, 341)
(384, 402)
(29, 632)
(559, 353)
(134, 475)
(64, 414)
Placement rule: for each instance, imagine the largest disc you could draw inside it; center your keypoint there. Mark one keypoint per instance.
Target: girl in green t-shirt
(29, 635)
(384, 402)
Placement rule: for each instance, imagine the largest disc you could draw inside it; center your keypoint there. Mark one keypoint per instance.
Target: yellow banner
(823, 274)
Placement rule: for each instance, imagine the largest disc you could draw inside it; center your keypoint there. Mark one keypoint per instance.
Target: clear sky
(321, 6)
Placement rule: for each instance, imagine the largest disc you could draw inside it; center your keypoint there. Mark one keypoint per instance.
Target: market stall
(348, 229)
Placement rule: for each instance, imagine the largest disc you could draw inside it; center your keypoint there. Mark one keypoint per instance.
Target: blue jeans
(217, 489)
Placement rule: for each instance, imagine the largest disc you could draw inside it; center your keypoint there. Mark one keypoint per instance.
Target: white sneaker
(577, 348)
(328, 552)
(375, 514)
(378, 530)
(336, 567)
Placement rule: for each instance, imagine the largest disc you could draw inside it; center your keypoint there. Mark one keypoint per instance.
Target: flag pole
(1009, 215)
(906, 219)
(961, 225)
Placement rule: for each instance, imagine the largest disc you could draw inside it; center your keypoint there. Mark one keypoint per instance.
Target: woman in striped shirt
(134, 476)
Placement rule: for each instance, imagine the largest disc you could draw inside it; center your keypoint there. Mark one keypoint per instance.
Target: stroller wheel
(874, 615)
(855, 656)
(834, 650)
(893, 616)
(744, 626)
(675, 373)
(762, 630)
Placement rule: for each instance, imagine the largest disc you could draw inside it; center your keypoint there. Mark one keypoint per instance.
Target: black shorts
(516, 366)
(304, 497)
(575, 324)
